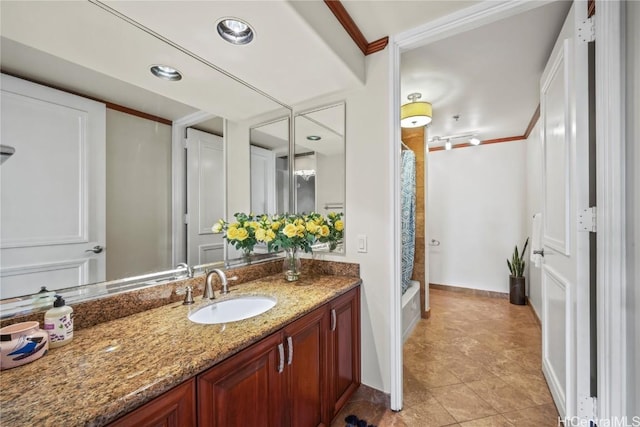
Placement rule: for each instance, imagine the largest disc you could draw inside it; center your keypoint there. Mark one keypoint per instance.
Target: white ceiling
(488, 76)
(288, 60)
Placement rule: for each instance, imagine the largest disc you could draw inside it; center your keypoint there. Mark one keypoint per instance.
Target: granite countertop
(114, 367)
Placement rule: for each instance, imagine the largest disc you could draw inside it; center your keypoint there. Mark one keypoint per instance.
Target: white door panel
(205, 196)
(263, 181)
(564, 131)
(52, 191)
(554, 309)
(554, 96)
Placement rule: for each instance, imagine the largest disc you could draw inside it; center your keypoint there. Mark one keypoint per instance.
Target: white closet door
(52, 196)
(205, 196)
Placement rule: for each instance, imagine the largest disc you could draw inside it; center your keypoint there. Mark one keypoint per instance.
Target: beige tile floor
(475, 363)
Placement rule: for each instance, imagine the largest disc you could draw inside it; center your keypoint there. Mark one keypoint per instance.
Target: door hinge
(186, 219)
(587, 220)
(185, 143)
(588, 408)
(587, 30)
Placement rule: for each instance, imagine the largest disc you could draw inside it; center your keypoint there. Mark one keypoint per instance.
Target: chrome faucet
(208, 288)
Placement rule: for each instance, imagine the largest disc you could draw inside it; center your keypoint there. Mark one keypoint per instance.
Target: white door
(565, 272)
(52, 195)
(205, 196)
(263, 181)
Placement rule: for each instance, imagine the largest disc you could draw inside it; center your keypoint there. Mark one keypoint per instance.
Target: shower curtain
(408, 207)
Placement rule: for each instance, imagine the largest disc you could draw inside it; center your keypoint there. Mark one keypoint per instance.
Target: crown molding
(349, 25)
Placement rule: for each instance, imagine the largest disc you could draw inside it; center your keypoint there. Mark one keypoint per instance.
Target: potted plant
(517, 293)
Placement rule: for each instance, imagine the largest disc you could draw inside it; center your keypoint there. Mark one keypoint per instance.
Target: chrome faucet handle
(188, 295)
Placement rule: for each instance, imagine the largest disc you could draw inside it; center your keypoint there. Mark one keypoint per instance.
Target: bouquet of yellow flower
(286, 231)
(246, 231)
(334, 230)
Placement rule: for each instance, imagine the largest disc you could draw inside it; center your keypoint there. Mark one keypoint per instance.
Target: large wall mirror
(319, 164)
(145, 197)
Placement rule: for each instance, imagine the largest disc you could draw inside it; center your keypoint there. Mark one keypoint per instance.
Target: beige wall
(138, 195)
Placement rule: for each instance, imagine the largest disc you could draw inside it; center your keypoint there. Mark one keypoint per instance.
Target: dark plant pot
(517, 291)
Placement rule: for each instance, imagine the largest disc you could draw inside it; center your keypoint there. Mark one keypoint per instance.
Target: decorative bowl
(22, 343)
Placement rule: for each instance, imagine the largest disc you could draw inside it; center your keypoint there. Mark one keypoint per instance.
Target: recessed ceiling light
(165, 72)
(235, 31)
(474, 141)
(314, 138)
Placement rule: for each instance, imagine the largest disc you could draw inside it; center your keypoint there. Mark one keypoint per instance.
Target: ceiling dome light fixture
(235, 31)
(166, 73)
(314, 138)
(474, 141)
(415, 114)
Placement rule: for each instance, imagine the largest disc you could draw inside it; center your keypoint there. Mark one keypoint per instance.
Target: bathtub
(410, 309)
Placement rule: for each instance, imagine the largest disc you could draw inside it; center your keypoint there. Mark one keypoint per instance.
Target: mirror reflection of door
(53, 189)
(205, 196)
(270, 167)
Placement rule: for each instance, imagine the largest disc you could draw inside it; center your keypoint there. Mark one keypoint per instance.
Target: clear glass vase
(291, 266)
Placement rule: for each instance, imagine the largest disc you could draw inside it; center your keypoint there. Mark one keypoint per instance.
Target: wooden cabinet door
(306, 351)
(175, 408)
(245, 390)
(344, 348)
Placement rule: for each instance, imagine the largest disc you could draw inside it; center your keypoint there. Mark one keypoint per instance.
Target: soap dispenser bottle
(58, 322)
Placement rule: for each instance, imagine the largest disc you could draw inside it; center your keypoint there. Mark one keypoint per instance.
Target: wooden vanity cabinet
(174, 408)
(306, 370)
(344, 349)
(280, 381)
(300, 376)
(246, 389)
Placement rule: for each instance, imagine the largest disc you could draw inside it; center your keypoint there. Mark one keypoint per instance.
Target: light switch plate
(362, 243)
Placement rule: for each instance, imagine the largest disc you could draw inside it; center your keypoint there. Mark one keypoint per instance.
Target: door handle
(96, 249)
(333, 319)
(540, 252)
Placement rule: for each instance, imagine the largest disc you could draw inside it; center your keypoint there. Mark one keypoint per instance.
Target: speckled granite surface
(115, 306)
(114, 367)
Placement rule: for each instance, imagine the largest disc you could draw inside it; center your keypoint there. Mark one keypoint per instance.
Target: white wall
(369, 208)
(138, 195)
(329, 181)
(633, 207)
(476, 209)
(533, 206)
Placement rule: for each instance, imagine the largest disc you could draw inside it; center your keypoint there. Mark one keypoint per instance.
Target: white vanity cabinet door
(52, 191)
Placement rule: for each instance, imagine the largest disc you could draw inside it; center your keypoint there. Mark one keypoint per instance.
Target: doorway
(515, 135)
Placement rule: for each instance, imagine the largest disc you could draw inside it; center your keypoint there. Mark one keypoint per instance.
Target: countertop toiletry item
(22, 343)
(58, 322)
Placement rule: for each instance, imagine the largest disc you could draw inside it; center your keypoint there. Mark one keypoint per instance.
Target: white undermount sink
(233, 309)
